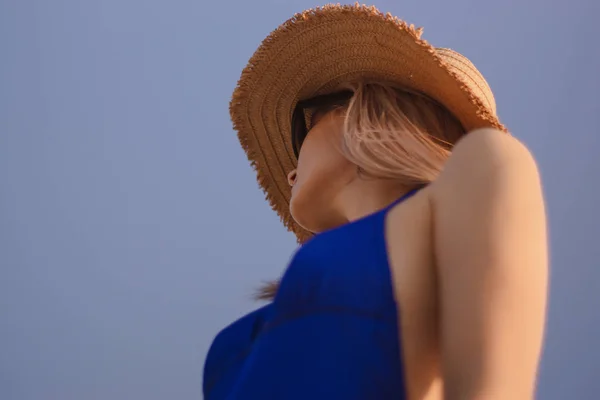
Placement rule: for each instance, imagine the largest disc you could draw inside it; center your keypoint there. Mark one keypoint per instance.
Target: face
(322, 174)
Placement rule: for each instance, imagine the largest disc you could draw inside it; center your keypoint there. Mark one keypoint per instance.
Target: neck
(364, 196)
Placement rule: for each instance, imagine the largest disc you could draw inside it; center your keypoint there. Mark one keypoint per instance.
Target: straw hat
(314, 52)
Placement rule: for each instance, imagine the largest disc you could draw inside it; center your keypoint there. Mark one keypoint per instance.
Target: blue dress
(330, 333)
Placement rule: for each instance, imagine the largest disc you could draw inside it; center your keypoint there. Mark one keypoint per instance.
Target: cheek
(317, 165)
(320, 155)
(321, 174)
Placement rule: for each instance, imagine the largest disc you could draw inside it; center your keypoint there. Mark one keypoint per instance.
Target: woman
(423, 269)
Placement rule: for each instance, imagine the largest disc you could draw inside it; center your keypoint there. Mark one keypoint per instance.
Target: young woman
(423, 267)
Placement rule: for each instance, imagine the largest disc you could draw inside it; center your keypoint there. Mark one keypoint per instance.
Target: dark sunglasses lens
(325, 102)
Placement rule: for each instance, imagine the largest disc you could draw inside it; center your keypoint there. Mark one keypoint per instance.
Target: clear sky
(131, 225)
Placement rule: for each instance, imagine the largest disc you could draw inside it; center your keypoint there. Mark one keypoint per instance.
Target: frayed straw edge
(243, 91)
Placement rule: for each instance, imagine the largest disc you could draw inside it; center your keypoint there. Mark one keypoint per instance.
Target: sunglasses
(322, 103)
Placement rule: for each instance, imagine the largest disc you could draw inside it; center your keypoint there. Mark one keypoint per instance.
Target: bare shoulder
(484, 160)
(491, 259)
(486, 166)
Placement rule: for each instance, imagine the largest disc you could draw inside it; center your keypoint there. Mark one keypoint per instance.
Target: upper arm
(491, 260)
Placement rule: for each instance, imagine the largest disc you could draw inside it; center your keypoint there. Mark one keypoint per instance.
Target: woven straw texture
(317, 50)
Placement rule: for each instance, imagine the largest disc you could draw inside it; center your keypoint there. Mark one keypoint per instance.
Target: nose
(291, 178)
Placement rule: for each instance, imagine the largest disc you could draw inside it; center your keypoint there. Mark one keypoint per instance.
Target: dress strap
(405, 196)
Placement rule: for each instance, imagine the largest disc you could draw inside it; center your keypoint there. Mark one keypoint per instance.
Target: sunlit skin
(327, 190)
(468, 258)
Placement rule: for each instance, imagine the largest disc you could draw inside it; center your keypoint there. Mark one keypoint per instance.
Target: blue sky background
(132, 228)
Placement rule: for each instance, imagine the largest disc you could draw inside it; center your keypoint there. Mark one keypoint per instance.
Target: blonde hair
(398, 133)
(393, 133)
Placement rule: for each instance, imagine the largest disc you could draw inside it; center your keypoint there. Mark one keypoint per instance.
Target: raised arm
(491, 257)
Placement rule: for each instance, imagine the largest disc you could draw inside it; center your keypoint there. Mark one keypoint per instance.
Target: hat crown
(315, 52)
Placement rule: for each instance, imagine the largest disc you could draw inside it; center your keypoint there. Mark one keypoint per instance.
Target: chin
(301, 213)
(304, 214)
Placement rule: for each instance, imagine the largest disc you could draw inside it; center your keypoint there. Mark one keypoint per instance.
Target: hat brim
(315, 52)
